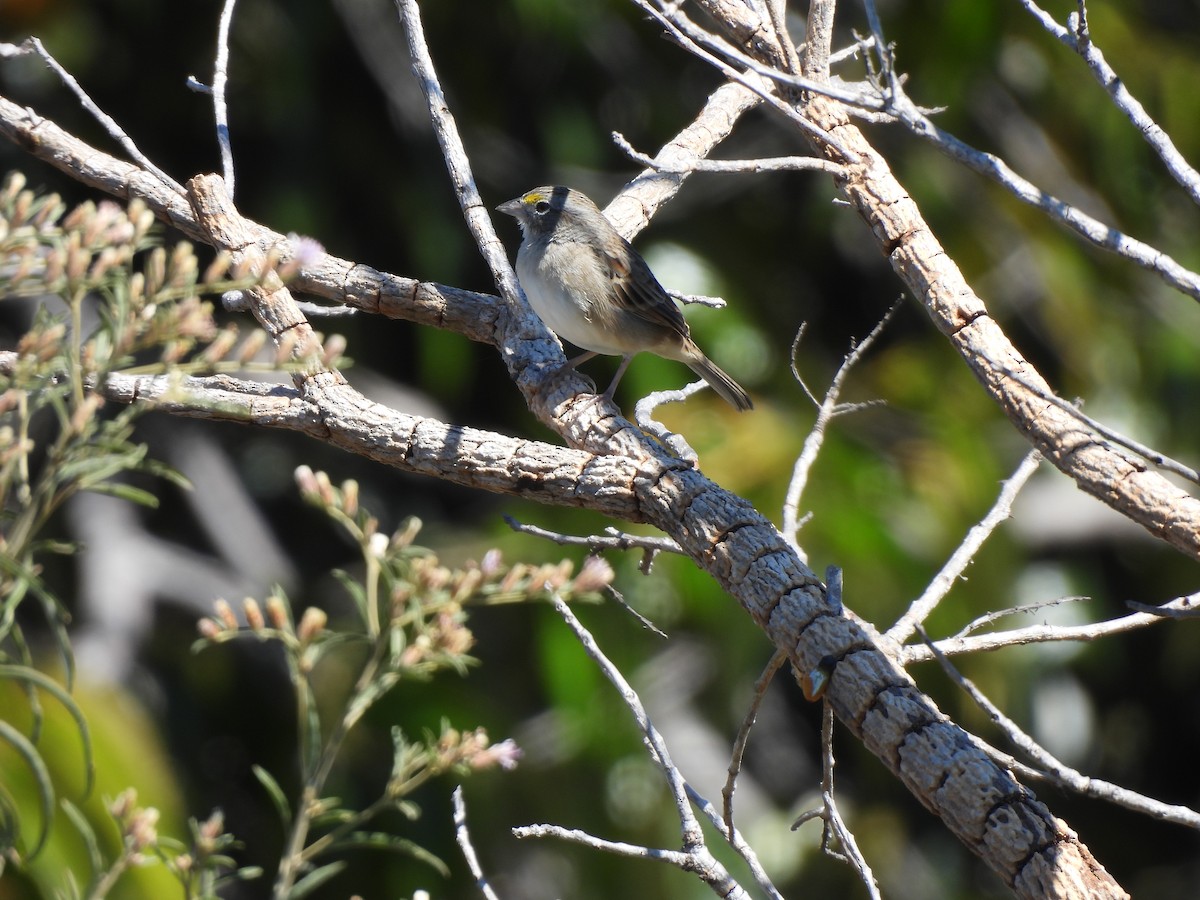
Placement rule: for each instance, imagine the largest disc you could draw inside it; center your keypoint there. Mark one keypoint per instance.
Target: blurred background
(331, 140)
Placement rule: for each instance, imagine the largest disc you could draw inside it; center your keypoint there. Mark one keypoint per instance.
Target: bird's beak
(512, 208)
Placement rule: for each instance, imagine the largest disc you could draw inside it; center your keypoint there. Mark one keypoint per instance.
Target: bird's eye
(542, 206)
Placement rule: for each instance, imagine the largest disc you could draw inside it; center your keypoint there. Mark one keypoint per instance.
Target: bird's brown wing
(640, 293)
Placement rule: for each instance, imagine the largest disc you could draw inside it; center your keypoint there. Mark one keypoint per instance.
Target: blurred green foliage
(537, 86)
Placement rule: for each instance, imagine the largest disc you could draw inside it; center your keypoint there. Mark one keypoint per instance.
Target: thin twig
(834, 825)
(777, 10)
(1184, 608)
(692, 834)
(1091, 229)
(737, 841)
(220, 110)
(620, 600)
(523, 323)
(860, 47)
(631, 210)
(463, 836)
(743, 734)
(675, 23)
(770, 164)
(239, 301)
(695, 856)
(650, 546)
(883, 50)
(614, 540)
(851, 854)
(1053, 768)
(643, 414)
(921, 608)
(1077, 36)
(827, 410)
(717, 50)
(1025, 609)
(1037, 634)
(1098, 233)
(455, 154)
(677, 858)
(699, 299)
(110, 124)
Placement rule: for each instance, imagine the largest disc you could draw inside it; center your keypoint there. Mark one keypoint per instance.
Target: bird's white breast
(566, 311)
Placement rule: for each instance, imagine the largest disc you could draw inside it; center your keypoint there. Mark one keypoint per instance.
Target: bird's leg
(574, 361)
(625, 360)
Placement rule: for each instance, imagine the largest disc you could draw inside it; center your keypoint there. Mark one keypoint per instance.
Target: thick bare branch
(341, 417)
(818, 39)
(918, 258)
(478, 317)
(631, 210)
(1096, 466)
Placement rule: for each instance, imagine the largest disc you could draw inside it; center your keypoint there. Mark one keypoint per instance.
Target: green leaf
(58, 618)
(126, 492)
(335, 815)
(173, 845)
(53, 545)
(89, 471)
(356, 591)
(8, 619)
(71, 891)
(25, 662)
(84, 827)
(275, 792)
(379, 840)
(315, 879)
(245, 873)
(21, 571)
(10, 823)
(366, 698)
(310, 737)
(37, 679)
(402, 753)
(159, 469)
(41, 775)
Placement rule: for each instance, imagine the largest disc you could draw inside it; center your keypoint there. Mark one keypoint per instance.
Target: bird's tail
(721, 383)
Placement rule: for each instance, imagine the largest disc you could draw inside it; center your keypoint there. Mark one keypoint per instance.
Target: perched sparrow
(593, 289)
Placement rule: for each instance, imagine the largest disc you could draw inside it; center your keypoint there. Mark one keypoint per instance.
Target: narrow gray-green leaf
(356, 592)
(315, 879)
(50, 686)
(379, 840)
(275, 792)
(41, 775)
(84, 827)
(128, 492)
(245, 873)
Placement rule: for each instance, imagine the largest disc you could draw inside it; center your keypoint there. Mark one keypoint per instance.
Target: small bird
(591, 287)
